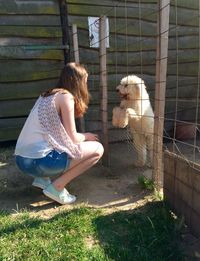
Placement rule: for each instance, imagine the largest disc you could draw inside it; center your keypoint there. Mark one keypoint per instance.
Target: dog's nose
(117, 90)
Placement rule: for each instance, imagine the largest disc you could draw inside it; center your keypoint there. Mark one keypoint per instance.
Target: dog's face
(130, 87)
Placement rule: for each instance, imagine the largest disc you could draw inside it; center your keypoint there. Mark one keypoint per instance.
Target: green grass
(150, 233)
(146, 183)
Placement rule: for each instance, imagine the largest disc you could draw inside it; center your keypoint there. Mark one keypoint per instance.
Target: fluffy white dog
(135, 110)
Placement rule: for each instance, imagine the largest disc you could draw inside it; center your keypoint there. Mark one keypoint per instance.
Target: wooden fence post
(161, 72)
(65, 29)
(80, 122)
(75, 43)
(103, 86)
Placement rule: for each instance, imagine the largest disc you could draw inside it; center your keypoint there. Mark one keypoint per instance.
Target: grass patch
(146, 183)
(150, 233)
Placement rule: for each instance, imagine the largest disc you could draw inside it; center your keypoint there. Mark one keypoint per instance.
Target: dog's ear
(140, 87)
(140, 84)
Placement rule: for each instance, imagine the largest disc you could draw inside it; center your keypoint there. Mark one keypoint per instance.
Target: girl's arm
(65, 107)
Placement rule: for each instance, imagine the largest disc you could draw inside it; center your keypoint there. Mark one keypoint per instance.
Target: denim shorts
(53, 164)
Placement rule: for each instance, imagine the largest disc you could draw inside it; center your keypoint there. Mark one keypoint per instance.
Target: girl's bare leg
(92, 151)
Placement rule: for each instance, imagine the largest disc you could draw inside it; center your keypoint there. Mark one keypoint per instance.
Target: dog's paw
(131, 113)
(115, 116)
(119, 117)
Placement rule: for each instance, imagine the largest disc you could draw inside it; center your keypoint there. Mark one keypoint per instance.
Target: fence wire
(130, 53)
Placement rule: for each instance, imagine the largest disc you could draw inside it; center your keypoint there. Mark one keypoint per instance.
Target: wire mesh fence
(133, 34)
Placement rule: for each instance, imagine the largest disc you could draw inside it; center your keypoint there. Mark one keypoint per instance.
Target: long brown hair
(73, 79)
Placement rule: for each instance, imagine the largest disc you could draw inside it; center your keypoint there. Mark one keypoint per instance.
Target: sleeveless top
(43, 131)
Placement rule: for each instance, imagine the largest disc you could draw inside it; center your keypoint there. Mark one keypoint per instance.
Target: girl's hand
(91, 136)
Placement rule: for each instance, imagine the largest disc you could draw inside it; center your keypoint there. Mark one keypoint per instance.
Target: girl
(49, 144)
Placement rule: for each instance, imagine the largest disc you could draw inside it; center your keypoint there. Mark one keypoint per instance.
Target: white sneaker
(63, 197)
(41, 182)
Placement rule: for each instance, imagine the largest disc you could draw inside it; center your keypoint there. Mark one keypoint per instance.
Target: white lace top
(43, 131)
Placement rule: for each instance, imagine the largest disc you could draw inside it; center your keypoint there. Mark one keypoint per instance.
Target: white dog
(135, 110)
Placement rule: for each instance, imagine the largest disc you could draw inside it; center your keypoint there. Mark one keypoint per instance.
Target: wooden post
(75, 43)
(80, 122)
(161, 72)
(65, 29)
(103, 87)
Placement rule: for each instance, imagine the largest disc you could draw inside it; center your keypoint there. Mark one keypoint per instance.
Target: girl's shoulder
(64, 100)
(63, 96)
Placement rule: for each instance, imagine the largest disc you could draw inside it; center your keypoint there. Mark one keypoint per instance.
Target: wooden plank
(115, 78)
(183, 56)
(117, 42)
(13, 127)
(119, 25)
(15, 108)
(186, 91)
(89, 56)
(136, 43)
(185, 69)
(148, 12)
(147, 69)
(182, 16)
(183, 3)
(194, 4)
(113, 2)
(24, 90)
(12, 41)
(20, 52)
(11, 123)
(132, 11)
(13, 71)
(132, 25)
(9, 134)
(29, 7)
(148, 57)
(186, 114)
(94, 111)
(31, 31)
(171, 105)
(182, 30)
(29, 20)
(17, 90)
(10, 128)
(184, 42)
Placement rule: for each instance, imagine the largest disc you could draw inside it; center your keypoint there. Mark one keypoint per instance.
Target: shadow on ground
(112, 187)
(150, 232)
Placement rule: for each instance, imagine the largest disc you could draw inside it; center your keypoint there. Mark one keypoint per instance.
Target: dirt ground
(112, 189)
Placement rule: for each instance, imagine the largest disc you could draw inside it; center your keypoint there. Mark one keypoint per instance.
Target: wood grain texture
(26, 73)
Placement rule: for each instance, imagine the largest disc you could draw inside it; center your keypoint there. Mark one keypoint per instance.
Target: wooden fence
(30, 58)
(182, 189)
(133, 31)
